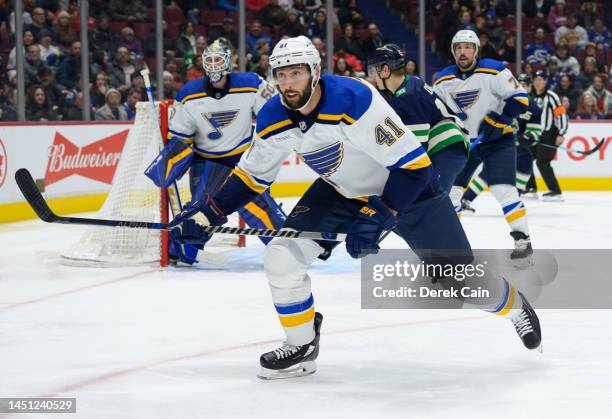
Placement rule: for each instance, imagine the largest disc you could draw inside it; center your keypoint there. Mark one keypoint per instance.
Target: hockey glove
(189, 231)
(363, 235)
(171, 163)
(493, 125)
(528, 139)
(207, 206)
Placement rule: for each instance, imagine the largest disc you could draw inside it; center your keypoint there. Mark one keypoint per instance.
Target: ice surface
(184, 343)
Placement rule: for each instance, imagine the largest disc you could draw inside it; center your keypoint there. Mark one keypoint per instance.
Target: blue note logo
(465, 100)
(325, 160)
(219, 120)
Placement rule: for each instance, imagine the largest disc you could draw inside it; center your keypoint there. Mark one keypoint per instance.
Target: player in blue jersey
(209, 130)
(488, 97)
(529, 129)
(371, 168)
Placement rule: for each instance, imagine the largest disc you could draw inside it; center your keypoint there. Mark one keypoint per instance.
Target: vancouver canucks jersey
(489, 87)
(530, 121)
(434, 124)
(219, 122)
(352, 140)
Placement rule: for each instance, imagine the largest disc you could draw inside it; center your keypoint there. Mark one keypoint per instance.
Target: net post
(164, 212)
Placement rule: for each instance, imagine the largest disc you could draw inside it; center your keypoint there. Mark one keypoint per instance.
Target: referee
(554, 127)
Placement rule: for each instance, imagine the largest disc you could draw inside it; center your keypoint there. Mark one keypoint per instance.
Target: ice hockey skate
(527, 325)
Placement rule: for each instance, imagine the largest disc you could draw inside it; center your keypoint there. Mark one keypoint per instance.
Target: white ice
(184, 343)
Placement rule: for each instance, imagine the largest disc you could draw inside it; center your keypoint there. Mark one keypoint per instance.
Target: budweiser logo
(3, 164)
(97, 161)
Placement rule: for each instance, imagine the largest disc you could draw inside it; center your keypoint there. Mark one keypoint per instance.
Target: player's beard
(467, 65)
(302, 98)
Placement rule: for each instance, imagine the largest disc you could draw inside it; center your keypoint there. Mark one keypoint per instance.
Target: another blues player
(529, 129)
(370, 168)
(209, 130)
(488, 97)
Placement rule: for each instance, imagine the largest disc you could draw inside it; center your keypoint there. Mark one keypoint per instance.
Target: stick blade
(28, 188)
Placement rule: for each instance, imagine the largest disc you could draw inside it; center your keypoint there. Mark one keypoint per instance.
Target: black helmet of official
(539, 73)
(389, 54)
(524, 79)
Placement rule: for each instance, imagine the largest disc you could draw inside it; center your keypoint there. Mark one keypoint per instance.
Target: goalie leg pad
(263, 212)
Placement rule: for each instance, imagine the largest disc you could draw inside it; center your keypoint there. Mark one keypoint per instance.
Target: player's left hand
(207, 206)
(560, 139)
(363, 235)
(493, 125)
(190, 232)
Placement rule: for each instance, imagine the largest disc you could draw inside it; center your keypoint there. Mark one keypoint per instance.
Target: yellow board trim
(516, 215)
(510, 303)
(299, 319)
(248, 181)
(273, 127)
(193, 96)
(177, 158)
(259, 213)
(67, 205)
(235, 151)
(242, 89)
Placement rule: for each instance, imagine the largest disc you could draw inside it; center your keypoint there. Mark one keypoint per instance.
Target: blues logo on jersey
(218, 120)
(326, 160)
(465, 100)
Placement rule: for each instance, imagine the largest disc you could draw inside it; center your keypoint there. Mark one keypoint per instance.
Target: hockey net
(134, 197)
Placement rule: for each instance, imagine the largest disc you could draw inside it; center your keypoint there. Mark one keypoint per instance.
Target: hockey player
(370, 167)
(529, 129)
(488, 98)
(210, 129)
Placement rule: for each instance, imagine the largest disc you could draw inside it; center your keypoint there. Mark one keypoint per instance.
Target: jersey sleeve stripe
(181, 135)
(415, 159)
(185, 140)
(266, 132)
(249, 181)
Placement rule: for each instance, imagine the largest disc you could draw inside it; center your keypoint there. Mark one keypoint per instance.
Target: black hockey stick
(39, 205)
(573, 150)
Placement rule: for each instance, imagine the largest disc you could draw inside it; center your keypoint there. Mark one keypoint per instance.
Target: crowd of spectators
(572, 47)
(569, 40)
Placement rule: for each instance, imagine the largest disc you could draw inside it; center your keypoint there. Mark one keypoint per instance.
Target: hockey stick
(573, 150)
(28, 188)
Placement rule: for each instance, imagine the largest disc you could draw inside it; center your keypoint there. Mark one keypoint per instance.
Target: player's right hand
(207, 206)
(190, 232)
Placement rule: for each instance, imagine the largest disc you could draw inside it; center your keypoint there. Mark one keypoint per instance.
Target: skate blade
(300, 370)
(523, 263)
(555, 199)
(530, 195)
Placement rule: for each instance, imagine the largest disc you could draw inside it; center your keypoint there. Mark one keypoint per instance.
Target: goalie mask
(217, 61)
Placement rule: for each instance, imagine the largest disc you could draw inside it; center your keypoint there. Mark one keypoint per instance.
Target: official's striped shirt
(553, 113)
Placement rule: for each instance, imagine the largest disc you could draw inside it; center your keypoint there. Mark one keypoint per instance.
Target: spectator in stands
(465, 21)
(349, 42)
(411, 68)
(137, 82)
(227, 31)
(317, 27)
(196, 71)
(74, 110)
(121, 69)
(263, 66)
(63, 32)
(292, 27)
(262, 48)
(129, 106)
(8, 109)
(507, 53)
(538, 51)
(272, 14)
(537, 8)
(102, 37)
(557, 16)
(98, 62)
(588, 14)
(603, 97)
(112, 110)
(567, 105)
(69, 70)
(591, 51)
(571, 33)
(311, 6)
(38, 107)
(168, 43)
(374, 40)
(170, 89)
(566, 88)
(129, 41)
(486, 49)
(587, 107)
(99, 90)
(321, 47)
(39, 22)
(172, 67)
(28, 6)
(494, 31)
(341, 68)
(230, 5)
(449, 25)
(528, 68)
(132, 10)
(33, 63)
(351, 14)
(254, 34)
(599, 34)
(350, 59)
(567, 63)
(589, 69)
(49, 53)
(28, 39)
(185, 43)
(552, 74)
(53, 90)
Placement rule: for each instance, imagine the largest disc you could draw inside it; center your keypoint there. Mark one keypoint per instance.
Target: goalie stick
(28, 188)
(573, 150)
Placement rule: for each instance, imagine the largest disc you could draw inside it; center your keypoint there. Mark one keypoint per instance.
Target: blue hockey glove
(190, 232)
(206, 206)
(493, 125)
(363, 235)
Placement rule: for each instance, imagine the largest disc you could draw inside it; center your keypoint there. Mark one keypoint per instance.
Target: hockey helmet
(465, 35)
(524, 79)
(389, 54)
(217, 61)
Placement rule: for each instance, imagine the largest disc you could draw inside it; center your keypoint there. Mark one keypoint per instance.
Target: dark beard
(304, 96)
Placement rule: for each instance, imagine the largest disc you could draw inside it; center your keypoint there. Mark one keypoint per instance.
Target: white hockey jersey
(472, 95)
(352, 139)
(219, 123)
